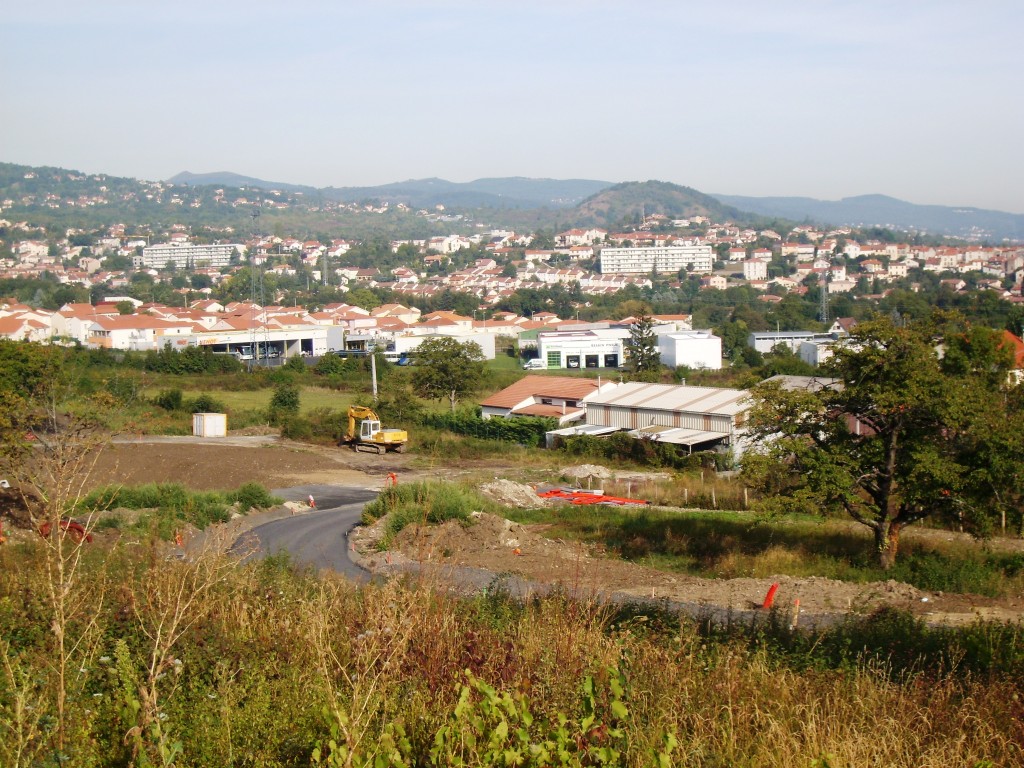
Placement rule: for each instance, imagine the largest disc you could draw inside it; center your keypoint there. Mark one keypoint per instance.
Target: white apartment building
(663, 260)
(755, 269)
(184, 255)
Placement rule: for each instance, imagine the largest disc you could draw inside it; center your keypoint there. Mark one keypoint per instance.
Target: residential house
(559, 397)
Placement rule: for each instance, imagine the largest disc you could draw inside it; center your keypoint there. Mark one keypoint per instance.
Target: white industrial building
(255, 343)
(667, 259)
(189, 255)
(765, 341)
(700, 418)
(605, 347)
(591, 348)
(693, 349)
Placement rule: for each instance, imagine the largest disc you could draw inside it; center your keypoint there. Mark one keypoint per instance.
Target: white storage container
(210, 424)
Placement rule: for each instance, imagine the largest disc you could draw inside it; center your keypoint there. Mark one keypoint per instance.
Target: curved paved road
(320, 538)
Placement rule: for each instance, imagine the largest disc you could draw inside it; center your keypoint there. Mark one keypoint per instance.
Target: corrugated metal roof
(584, 429)
(677, 436)
(671, 397)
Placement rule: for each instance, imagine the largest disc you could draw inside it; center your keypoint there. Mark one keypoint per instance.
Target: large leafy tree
(921, 421)
(644, 359)
(446, 368)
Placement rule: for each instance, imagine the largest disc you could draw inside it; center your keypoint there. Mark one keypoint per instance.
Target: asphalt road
(318, 539)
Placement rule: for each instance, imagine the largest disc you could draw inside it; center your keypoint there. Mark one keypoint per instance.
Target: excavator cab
(368, 428)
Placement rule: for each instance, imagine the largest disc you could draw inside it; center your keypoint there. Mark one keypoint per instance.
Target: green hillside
(626, 203)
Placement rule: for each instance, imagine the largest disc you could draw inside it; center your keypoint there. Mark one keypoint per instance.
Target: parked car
(535, 365)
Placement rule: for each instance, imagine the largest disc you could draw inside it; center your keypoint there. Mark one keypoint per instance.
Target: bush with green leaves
(285, 402)
(524, 430)
(173, 504)
(620, 446)
(321, 425)
(424, 502)
(295, 364)
(205, 403)
(190, 360)
(170, 399)
(329, 365)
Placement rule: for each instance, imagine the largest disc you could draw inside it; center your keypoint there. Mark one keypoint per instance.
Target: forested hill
(627, 202)
(976, 224)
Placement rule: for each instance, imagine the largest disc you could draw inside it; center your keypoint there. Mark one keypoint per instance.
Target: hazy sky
(919, 99)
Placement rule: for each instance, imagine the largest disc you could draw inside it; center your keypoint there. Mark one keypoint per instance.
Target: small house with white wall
(558, 397)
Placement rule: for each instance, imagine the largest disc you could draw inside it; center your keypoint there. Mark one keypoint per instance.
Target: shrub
(173, 503)
(295, 364)
(429, 502)
(296, 428)
(253, 495)
(170, 400)
(620, 447)
(205, 403)
(199, 360)
(124, 388)
(284, 403)
(525, 430)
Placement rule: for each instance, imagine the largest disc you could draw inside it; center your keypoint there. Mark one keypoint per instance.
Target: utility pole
(373, 371)
(823, 307)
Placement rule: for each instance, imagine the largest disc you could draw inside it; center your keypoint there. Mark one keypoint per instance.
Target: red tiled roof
(562, 387)
(1017, 346)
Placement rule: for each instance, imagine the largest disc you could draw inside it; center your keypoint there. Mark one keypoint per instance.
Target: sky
(917, 99)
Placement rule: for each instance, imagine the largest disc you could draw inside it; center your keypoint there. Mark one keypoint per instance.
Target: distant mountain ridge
(603, 203)
(511, 192)
(976, 224)
(513, 202)
(229, 179)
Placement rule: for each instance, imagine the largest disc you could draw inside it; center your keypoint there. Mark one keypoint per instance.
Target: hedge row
(525, 430)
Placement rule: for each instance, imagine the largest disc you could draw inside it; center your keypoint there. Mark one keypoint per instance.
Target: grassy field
(312, 398)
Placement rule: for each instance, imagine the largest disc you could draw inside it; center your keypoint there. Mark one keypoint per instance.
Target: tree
(643, 358)
(447, 368)
(903, 434)
(285, 402)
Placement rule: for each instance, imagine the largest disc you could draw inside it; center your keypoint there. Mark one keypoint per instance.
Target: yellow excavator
(371, 435)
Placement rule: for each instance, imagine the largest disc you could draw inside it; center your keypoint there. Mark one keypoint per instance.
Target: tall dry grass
(209, 662)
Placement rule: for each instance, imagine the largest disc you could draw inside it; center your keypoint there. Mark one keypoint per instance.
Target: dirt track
(504, 547)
